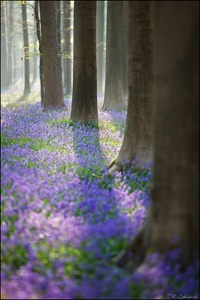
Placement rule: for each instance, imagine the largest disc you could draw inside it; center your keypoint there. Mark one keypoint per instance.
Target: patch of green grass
(62, 121)
(34, 144)
(16, 256)
(17, 99)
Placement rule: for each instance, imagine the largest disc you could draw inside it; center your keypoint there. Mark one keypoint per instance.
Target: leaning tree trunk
(138, 137)
(174, 218)
(84, 99)
(113, 98)
(26, 52)
(53, 96)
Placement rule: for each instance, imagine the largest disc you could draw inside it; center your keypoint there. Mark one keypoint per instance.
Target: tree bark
(113, 98)
(84, 99)
(125, 6)
(100, 46)
(67, 61)
(26, 52)
(53, 95)
(138, 138)
(173, 220)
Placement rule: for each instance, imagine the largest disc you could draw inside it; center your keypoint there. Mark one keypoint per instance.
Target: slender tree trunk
(38, 29)
(84, 100)
(113, 98)
(100, 45)
(4, 66)
(26, 52)
(35, 57)
(53, 97)
(174, 215)
(67, 49)
(139, 132)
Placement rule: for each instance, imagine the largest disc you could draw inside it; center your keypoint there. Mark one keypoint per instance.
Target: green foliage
(62, 121)
(15, 256)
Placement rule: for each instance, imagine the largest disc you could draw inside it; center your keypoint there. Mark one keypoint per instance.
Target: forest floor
(64, 217)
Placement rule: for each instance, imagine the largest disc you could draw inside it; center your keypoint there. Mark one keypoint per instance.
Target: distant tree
(84, 99)
(4, 63)
(53, 94)
(26, 51)
(173, 220)
(67, 61)
(138, 137)
(35, 56)
(113, 98)
(100, 45)
(10, 42)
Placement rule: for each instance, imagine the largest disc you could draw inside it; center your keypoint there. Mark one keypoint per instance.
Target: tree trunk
(26, 52)
(58, 22)
(53, 97)
(38, 29)
(113, 98)
(124, 48)
(67, 49)
(4, 67)
(138, 138)
(84, 100)
(174, 218)
(35, 56)
(100, 45)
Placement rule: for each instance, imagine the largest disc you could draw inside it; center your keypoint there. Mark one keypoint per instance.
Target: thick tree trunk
(113, 98)
(125, 6)
(84, 100)
(138, 137)
(58, 25)
(174, 218)
(26, 52)
(53, 97)
(100, 45)
(67, 49)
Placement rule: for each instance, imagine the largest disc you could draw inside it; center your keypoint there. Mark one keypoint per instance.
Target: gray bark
(84, 99)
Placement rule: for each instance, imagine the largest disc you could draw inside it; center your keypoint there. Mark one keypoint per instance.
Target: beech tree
(173, 220)
(84, 98)
(124, 47)
(53, 94)
(100, 46)
(113, 98)
(138, 137)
